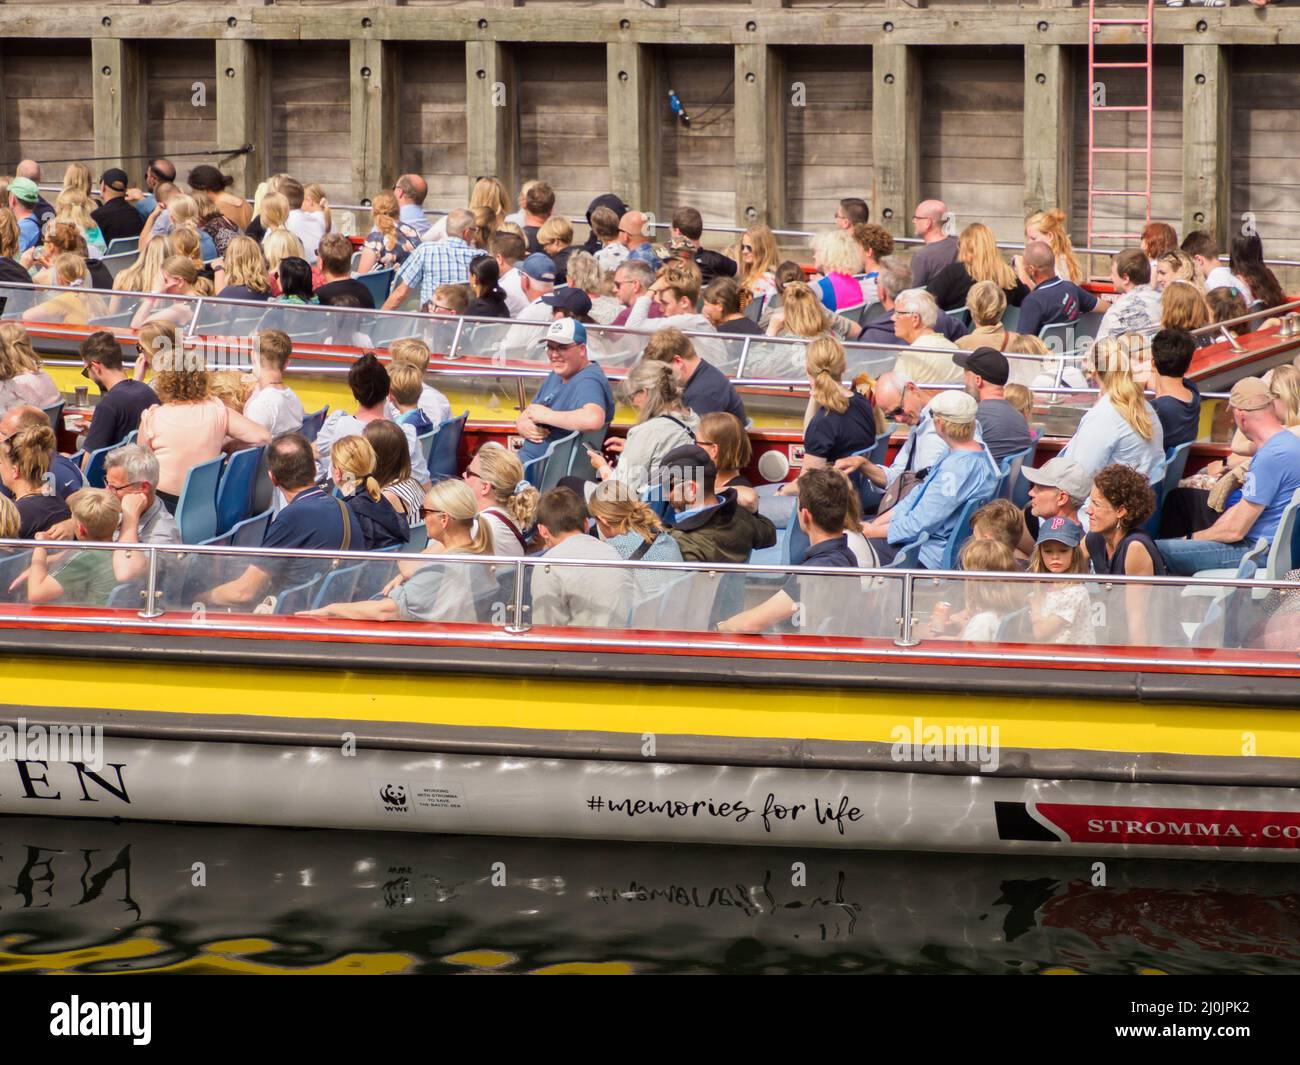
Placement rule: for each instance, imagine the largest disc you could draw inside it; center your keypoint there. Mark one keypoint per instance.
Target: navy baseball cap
(568, 298)
(1061, 529)
(539, 267)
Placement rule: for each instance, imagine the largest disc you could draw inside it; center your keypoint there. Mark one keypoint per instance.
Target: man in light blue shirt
(967, 472)
(410, 190)
(443, 262)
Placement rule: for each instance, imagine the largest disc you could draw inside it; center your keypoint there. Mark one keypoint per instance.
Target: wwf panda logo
(393, 794)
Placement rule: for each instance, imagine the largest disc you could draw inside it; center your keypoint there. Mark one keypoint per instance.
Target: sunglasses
(747, 247)
(426, 511)
(471, 472)
(893, 414)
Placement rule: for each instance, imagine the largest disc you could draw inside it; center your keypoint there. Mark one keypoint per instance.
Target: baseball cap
(539, 267)
(25, 190)
(568, 298)
(1061, 529)
(954, 406)
(1065, 474)
(115, 179)
(689, 462)
(566, 331)
(1250, 393)
(989, 363)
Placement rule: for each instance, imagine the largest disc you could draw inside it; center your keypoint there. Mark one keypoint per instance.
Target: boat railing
(658, 606)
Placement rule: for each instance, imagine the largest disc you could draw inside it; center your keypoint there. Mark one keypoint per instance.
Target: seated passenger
(393, 471)
(1061, 612)
(25, 460)
(79, 578)
(413, 350)
(967, 471)
(1121, 426)
(131, 476)
(725, 441)
(575, 396)
(999, 520)
(311, 519)
(1272, 481)
(663, 423)
(705, 388)
(636, 533)
(121, 399)
(1053, 299)
(72, 304)
(404, 384)
(352, 468)
(1004, 428)
(987, 602)
(429, 590)
(823, 501)
(1178, 400)
(1058, 488)
(589, 596)
(1118, 508)
(65, 476)
(710, 526)
(273, 405)
(838, 420)
(505, 500)
(22, 380)
(369, 384)
(915, 317)
(987, 305)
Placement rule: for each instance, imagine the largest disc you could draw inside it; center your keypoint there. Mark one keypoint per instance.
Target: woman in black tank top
(1120, 504)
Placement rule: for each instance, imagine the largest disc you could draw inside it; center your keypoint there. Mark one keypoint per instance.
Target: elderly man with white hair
(915, 315)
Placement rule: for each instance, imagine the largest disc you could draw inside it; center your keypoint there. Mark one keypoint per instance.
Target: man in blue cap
(576, 395)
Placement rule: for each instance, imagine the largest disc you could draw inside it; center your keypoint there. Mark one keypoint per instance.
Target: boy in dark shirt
(1178, 400)
(122, 400)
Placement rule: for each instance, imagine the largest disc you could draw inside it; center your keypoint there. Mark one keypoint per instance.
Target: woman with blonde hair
(140, 274)
(176, 277)
(632, 529)
(1182, 306)
(555, 235)
(837, 257)
(1049, 228)
(759, 259)
(59, 237)
(424, 588)
(243, 274)
(1175, 266)
(25, 460)
(978, 259)
(76, 207)
(74, 307)
(663, 422)
(156, 343)
(987, 303)
(183, 212)
(1121, 426)
(274, 213)
(185, 241)
(506, 501)
(278, 246)
(352, 469)
(390, 239)
(9, 521)
(583, 272)
(76, 178)
(22, 380)
(838, 420)
(802, 314)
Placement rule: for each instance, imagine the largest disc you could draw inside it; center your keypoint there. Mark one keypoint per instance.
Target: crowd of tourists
(674, 488)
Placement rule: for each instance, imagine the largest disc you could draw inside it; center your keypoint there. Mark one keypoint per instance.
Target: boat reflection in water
(93, 896)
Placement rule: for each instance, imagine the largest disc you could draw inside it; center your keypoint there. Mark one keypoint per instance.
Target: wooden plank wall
(1121, 129)
(972, 135)
(1265, 135)
(47, 103)
(432, 119)
(563, 119)
(698, 163)
(828, 139)
(176, 126)
(310, 115)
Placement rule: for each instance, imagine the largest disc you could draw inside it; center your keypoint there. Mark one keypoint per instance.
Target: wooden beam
(760, 136)
(491, 113)
(1049, 124)
(634, 94)
(1207, 151)
(895, 136)
(244, 111)
(374, 120)
(118, 92)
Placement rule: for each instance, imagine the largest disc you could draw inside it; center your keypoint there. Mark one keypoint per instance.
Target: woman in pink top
(837, 259)
(190, 427)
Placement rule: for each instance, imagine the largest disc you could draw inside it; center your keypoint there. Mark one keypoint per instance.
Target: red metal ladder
(1144, 26)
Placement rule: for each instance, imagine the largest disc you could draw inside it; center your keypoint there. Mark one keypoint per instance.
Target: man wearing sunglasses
(122, 400)
(631, 232)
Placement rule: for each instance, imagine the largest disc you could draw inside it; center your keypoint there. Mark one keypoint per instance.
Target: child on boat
(988, 602)
(1061, 611)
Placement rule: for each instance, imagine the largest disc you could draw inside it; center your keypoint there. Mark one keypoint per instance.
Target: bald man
(632, 234)
(410, 190)
(31, 169)
(1053, 299)
(939, 250)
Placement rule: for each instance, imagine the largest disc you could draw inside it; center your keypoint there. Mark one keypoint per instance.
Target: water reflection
(91, 896)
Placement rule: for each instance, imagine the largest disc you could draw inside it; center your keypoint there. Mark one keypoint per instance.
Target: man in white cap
(967, 472)
(1057, 489)
(576, 395)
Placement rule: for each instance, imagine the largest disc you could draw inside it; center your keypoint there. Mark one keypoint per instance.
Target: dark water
(92, 896)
